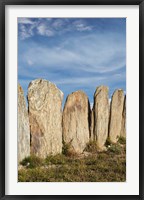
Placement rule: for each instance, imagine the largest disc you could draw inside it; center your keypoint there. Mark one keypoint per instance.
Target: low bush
(57, 159)
(32, 162)
(67, 150)
(91, 147)
(115, 148)
(122, 140)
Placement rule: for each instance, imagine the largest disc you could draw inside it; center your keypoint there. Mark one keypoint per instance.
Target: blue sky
(74, 53)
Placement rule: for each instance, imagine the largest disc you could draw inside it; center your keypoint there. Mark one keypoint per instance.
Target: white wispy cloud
(80, 25)
(25, 32)
(58, 23)
(23, 20)
(49, 27)
(26, 28)
(80, 80)
(89, 54)
(44, 30)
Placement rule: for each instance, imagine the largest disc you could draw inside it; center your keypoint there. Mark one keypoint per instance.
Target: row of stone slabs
(44, 127)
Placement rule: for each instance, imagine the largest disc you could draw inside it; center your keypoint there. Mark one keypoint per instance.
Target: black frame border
(3, 3)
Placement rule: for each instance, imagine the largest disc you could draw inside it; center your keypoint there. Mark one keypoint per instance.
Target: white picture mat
(131, 186)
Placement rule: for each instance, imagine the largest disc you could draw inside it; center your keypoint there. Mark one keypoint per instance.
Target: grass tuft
(67, 150)
(122, 140)
(91, 147)
(32, 162)
(115, 148)
(57, 159)
(108, 142)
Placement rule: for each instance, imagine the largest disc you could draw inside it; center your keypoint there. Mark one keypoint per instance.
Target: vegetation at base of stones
(115, 148)
(91, 147)
(32, 161)
(108, 142)
(67, 150)
(108, 166)
(58, 159)
(122, 140)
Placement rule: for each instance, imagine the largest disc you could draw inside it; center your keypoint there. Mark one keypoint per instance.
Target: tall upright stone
(101, 116)
(23, 127)
(115, 124)
(45, 116)
(76, 116)
(123, 128)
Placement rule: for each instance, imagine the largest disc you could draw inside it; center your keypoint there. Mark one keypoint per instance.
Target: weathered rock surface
(45, 116)
(123, 128)
(116, 115)
(23, 127)
(76, 116)
(101, 116)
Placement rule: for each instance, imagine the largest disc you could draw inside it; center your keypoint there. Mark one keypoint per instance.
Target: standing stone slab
(45, 115)
(116, 115)
(123, 128)
(76, 116)
(101, 116)
(23, 127)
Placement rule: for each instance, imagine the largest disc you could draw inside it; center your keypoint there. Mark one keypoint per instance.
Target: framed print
(71, 99)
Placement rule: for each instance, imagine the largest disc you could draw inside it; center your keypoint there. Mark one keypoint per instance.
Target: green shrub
(32, 162)
(67, 150)
(115, 148)
(122, 140)
(108, 142)
(57, 159)
(91, 147)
